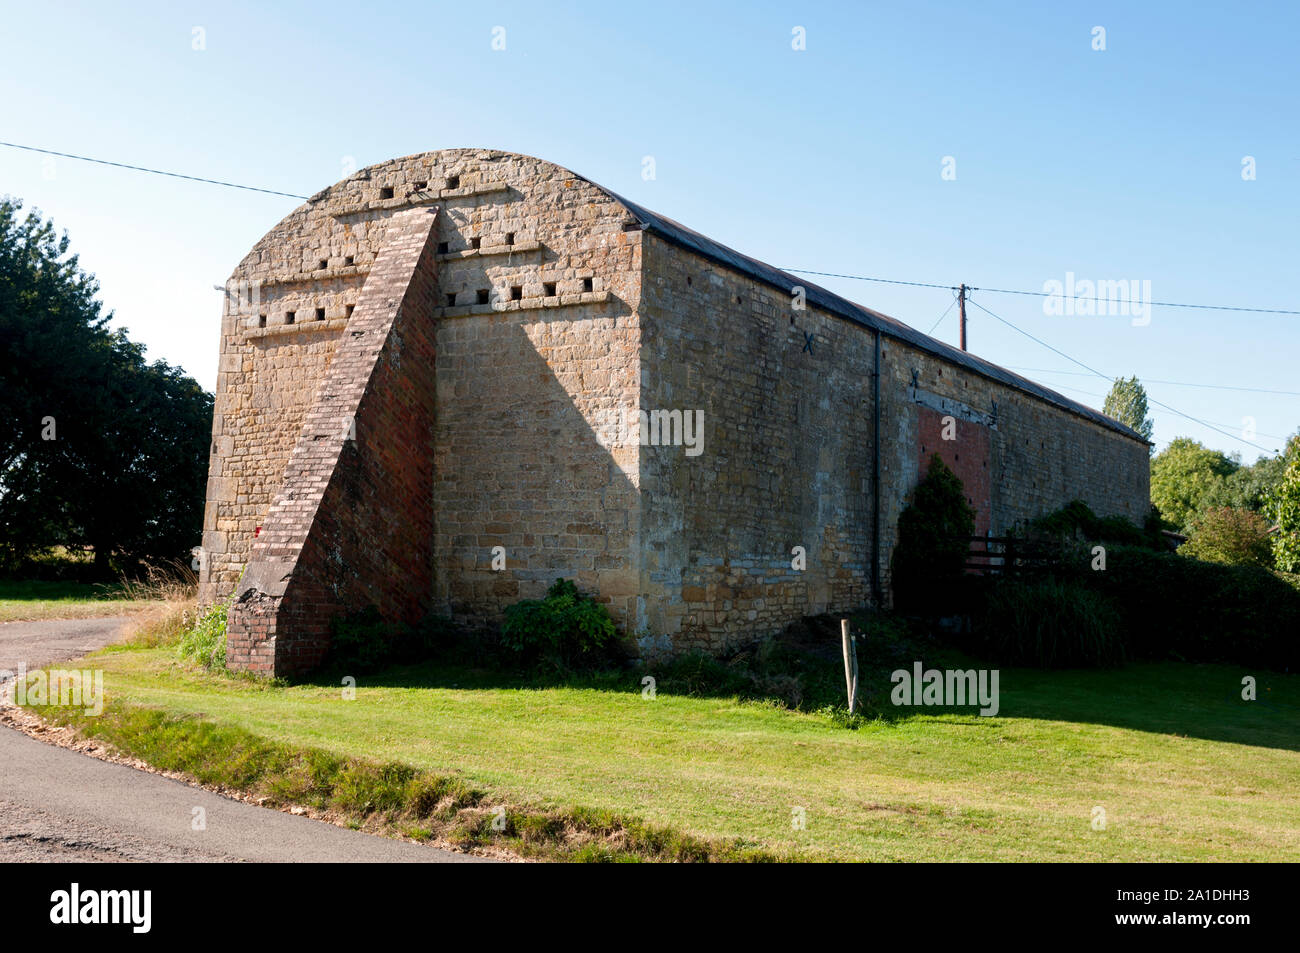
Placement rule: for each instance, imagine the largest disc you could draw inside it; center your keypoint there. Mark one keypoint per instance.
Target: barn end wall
(538, 278)
(787, 457)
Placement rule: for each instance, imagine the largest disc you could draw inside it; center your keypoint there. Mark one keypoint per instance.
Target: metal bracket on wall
(954, 408)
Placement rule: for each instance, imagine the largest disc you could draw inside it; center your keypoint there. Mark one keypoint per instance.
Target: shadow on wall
(525, 490)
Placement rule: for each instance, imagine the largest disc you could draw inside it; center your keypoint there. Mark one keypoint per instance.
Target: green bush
(1076, 520)
(204, 639)
(1283, 505)
(1176, 607)
(1235, 537)
(933, 542)
(365, 641)
(361, 641)
(564, 629)
(1049, 623)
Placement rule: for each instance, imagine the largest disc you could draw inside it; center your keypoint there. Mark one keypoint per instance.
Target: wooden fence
(1008, 555)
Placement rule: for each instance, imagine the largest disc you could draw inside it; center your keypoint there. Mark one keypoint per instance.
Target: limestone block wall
(787, 460)
(537, 352)
(520, 459)
(527, 252)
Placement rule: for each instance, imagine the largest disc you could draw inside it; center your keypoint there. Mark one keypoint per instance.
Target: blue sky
(1115, 164)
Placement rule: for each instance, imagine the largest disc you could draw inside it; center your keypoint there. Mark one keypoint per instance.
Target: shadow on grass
(1181, 699)
(804, 671)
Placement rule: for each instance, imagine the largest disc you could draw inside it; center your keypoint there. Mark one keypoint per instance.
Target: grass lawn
(22, 600)
(1183, 768)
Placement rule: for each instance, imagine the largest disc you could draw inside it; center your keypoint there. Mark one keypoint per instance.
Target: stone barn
(452, 378)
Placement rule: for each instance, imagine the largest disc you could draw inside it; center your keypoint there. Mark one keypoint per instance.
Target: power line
(887, 281)
(1042, 294)
(137, 168)
(1093, 370)
(1102, 397)
(826, 274)
(1253, 390)
(800, 271)
(944, 315)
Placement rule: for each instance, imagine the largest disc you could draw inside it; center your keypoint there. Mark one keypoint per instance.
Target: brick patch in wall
(350, 526)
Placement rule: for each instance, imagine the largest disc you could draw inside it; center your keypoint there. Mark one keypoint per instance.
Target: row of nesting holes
(453, 182)
(291, 317)
(323, 264)
(474, 243)
(484, 295)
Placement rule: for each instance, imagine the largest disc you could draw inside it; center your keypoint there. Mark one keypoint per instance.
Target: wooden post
(849, 645)
(961, 307)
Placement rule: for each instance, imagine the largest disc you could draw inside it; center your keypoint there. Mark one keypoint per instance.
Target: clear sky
(1117, 164)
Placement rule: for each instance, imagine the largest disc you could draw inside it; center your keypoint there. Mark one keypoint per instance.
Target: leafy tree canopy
(1283, 506)
(1183, 475)
(1127, 403)
(97, 446)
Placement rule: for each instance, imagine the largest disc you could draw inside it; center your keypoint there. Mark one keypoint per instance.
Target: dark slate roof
(783, 281)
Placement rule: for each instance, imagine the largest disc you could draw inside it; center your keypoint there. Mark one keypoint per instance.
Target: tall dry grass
(172, 589)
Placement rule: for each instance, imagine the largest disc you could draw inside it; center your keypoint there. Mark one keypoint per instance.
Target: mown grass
(1184, 769)
(389, 797)
(32, 600)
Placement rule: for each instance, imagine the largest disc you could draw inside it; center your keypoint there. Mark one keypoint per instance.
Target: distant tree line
(98, 447)
(1231, 512)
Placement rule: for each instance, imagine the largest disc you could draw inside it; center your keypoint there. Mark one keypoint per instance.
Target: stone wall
(787, 461)
(559, 315)
(526, 251)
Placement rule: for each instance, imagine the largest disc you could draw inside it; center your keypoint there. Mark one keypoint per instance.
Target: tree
(97, 446)
(934, 532)
(1127, 403)
(1223, 534)
(1183, 476)
(1249, 486)
(1283, 506)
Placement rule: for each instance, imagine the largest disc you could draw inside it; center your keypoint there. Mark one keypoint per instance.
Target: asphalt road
(59, 805)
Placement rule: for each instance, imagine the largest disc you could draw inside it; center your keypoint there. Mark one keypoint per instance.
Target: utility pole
(961, 304)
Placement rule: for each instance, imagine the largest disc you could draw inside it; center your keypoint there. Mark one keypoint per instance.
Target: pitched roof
(818, 296)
